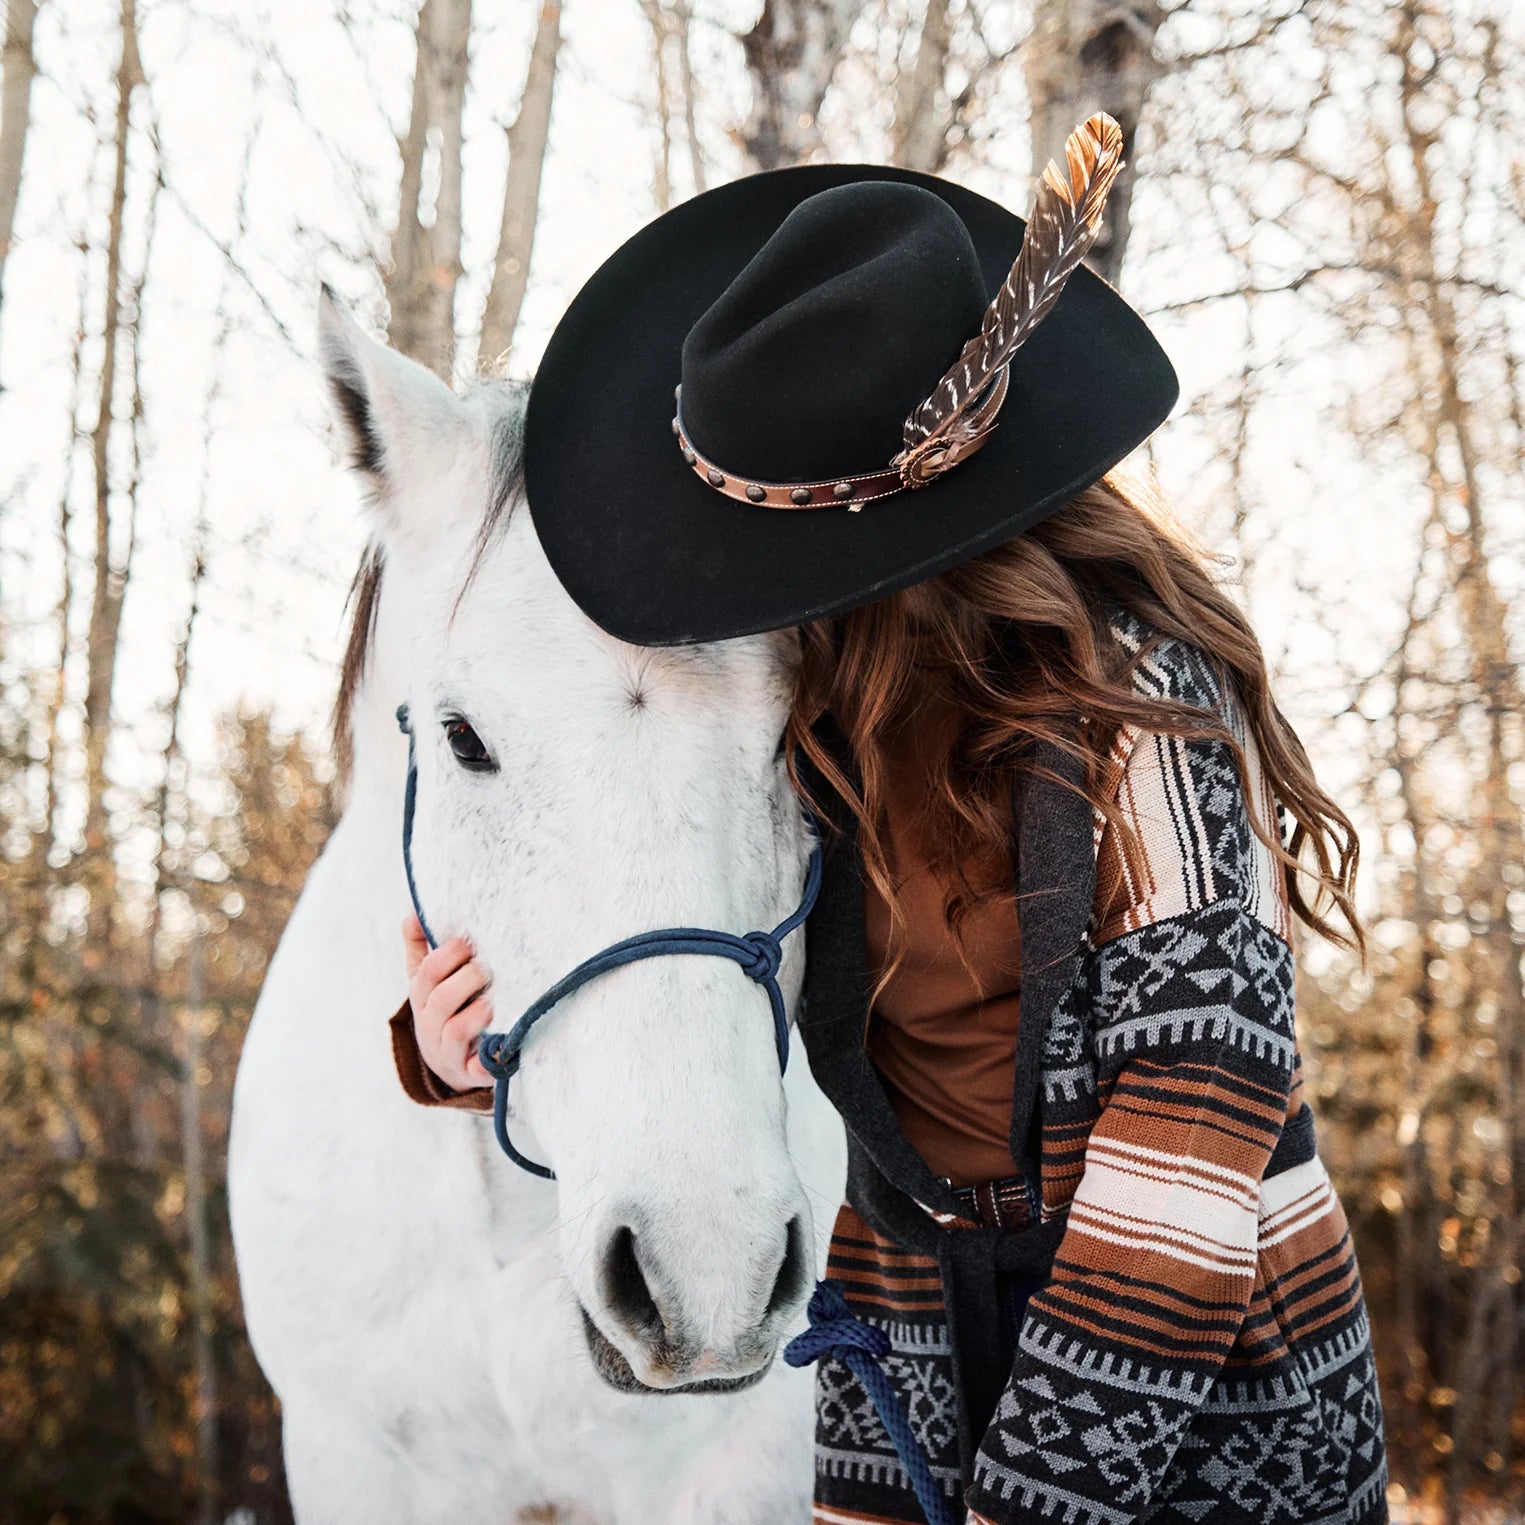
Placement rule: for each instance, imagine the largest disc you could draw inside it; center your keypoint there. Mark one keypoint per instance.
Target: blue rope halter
(835, 1331)
(758, 954)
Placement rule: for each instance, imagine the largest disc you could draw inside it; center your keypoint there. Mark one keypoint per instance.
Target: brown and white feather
(1066, 217)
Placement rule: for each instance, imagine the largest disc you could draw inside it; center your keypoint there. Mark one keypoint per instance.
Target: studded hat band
(850, 492)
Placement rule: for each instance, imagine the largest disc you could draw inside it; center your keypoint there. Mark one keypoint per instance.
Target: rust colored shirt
(943, 1030)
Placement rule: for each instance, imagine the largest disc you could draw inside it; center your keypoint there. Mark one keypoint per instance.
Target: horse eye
(468, 747)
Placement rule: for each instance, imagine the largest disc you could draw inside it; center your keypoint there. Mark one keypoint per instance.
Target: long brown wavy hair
(1051, 595)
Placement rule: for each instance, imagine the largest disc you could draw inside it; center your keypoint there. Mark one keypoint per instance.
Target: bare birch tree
(940, 97)
(53, 702)
(1084, 56)
(1453, 451)
(110, 577)
(17, 69)
(689, 92)
(658, 19)
(919, 138)
(791, 55)
(527, 140)
(676, 96)
(426, 244)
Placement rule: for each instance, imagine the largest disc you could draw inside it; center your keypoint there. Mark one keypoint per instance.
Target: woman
(1088, 1238)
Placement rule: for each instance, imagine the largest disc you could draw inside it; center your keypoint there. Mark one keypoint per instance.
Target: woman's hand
(447, 990)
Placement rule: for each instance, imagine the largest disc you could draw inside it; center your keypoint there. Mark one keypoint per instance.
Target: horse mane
(363, 602)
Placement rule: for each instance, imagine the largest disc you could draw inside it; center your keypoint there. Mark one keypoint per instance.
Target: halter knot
(493, 1060)
(834, 1330)
(767, 955)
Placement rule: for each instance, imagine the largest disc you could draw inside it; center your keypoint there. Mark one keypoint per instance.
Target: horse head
(573, 790)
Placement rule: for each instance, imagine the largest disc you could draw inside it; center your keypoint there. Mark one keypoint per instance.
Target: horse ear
(406, 431)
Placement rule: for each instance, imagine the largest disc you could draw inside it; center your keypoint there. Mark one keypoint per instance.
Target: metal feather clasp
(960, 413)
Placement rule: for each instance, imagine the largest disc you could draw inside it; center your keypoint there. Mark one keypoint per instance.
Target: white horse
(451, 1338)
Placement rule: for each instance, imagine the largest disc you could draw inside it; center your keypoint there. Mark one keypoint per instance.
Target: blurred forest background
(1322, 217)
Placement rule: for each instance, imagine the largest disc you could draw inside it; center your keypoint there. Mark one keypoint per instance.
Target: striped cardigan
(1196, 1348)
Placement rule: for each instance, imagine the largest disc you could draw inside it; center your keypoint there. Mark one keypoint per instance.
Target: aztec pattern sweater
(1199, 1350)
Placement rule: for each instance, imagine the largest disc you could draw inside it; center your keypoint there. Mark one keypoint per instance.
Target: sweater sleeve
(418, 1081)
(1187, 1002)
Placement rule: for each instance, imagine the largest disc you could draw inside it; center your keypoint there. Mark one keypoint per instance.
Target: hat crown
(807, 364)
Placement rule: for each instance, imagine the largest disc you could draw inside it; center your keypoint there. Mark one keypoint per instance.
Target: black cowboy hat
(813, 461)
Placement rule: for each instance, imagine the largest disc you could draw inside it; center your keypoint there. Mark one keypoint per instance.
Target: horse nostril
(625, 1286)
(793, 1273)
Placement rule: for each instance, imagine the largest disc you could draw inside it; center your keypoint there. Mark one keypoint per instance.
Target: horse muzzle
(614, 1367)
(658, 1335)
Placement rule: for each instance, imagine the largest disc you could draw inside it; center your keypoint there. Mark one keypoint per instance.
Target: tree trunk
(919, 138)
(426, 247)
(192, 1143)
(527, 140)
(110, 583)
(193, 1156)
(1085, 56)
(1498, 826)
(656, 19)
(686, 82)
(17, 69)
(1413, 1271)
(54, 703)
(791, 55)
(1511, 1041)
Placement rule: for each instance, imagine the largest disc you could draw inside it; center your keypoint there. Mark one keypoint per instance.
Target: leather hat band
(850, 492)
(909, 469)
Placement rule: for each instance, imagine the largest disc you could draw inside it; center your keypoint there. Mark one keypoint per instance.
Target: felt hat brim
(656, 557)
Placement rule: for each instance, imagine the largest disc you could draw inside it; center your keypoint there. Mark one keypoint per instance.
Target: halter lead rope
(758, 954)
(835, 1331)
